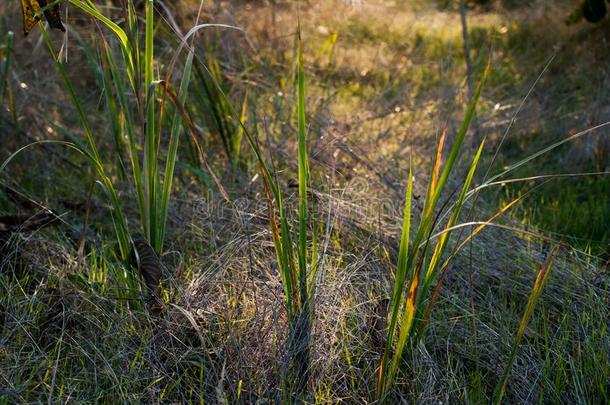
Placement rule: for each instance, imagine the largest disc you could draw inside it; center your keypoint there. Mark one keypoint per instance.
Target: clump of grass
(415, 271)
(296, 255)
(136, 63)
(298, 276)
(408, 318)
(152, 190)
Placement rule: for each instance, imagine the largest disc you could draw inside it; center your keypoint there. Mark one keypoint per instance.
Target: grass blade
(8, 61)
(541, 279)
(401, 274)
(303, 173)
(173, 146)
(150, 141)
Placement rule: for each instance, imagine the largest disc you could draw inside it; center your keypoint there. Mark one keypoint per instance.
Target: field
(343, 201)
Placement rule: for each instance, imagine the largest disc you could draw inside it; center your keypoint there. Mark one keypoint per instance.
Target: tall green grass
(416, 269)
(298, 276)
(295, 252)
(419, 273)
(136, 101)
(140, 99)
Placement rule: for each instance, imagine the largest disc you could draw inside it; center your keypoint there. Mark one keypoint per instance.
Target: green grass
(153, 192)
(412, 261)
(298, 276)
(292, 278)
(570, 208)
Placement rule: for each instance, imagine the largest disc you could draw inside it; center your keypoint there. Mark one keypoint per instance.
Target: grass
(91, 151)
(268, 173)
(411, 259)
(541, 279)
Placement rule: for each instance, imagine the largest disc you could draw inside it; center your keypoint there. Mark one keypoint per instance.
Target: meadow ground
(220, 318)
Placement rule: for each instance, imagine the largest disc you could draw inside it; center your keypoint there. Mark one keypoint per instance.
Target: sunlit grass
(257, 310)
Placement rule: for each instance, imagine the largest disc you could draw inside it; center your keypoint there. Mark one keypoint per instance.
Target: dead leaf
(31, 10)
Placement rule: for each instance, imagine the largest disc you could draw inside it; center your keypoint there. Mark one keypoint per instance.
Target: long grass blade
(8, 61)
(541, 152)
(150, 141)
(302, 325)
(303, 173)
(401, 274)
(172, 153)
(461, 134)
(541, 279)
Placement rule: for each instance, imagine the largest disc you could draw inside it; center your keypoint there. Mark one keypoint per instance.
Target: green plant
(413, 263)
(416, 272)
(151, 189)
(297, 261)
(298, 277)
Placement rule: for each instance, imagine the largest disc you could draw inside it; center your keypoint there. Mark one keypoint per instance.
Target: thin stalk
(303, 175)
(173, 146)
(541, 279)
(8, 61)
(150, 140)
